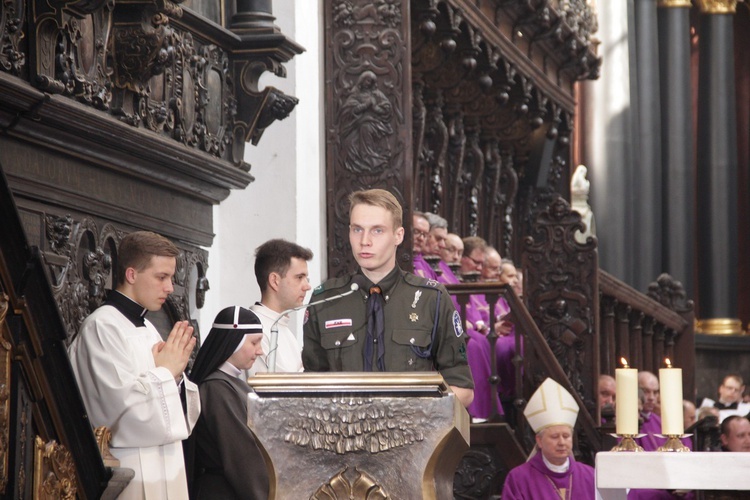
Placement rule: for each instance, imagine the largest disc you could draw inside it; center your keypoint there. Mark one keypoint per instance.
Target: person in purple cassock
(551, 472)
(420, 233)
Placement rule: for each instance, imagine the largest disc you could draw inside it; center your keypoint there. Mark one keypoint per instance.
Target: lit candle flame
(624, 362)
(668, 363)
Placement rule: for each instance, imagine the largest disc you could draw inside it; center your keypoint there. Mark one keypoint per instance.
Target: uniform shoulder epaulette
(415, 280)
(332, 284)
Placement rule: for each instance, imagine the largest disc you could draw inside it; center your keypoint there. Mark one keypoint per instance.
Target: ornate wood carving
(6, 353)
(151, 65)
(670, 293)
(80, 259)
(54, 472)
(369, 111)
(492, 104)
(69, 49)
(561, 276)
(480, 473)
(12, 17)
(103, 438)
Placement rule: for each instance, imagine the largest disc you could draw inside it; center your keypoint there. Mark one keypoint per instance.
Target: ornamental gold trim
(103, 437)
(54, 471)
(674, 3)
(719, 326)
(717, 6)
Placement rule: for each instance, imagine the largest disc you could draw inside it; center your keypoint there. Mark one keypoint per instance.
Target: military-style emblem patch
(413, 317)
(336, 323)
(417, 295)
(432, 283)
(458, 329)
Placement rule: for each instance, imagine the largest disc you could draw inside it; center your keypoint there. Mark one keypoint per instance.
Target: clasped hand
(174, 353)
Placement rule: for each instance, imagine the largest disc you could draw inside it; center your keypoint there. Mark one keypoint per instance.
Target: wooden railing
(647, 328)
(532, 361)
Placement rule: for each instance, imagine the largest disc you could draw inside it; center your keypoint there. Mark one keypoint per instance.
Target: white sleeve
(122, 388)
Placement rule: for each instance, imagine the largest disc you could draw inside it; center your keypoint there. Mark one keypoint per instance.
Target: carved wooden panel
(142, 63)
(491, 135)
(563, 296)
(12, 53)
(82, 256)
(368, 111)
(6, 353)
(54, 471)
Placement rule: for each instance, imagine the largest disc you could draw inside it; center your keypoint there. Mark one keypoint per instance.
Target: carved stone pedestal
(358, 435)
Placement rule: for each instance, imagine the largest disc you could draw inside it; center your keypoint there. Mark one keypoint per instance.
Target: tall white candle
(670, 390)
(626, 400)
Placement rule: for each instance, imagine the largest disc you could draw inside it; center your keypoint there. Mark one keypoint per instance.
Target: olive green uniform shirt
(423, 331)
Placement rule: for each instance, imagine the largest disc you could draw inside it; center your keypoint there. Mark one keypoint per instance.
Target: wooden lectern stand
(358, 435)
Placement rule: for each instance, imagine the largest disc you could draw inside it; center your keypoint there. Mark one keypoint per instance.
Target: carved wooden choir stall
(114, 116)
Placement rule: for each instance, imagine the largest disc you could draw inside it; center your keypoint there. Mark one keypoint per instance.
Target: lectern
(358, 435)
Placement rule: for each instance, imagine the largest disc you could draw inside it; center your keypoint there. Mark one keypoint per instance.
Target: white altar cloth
(618, 471)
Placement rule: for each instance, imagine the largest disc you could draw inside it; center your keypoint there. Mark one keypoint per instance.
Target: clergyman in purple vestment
(551, 473)
(534, 480)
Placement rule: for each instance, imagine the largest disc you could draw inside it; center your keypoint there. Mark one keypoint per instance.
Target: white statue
(579, 193)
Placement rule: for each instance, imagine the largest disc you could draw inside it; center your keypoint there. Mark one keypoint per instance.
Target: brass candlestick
(674, 444)
(627, 443)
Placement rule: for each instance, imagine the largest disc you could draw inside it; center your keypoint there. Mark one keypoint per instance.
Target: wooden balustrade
(577, 321)
(646, 328)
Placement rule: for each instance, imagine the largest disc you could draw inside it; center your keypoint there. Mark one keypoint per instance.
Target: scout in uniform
(395, 321)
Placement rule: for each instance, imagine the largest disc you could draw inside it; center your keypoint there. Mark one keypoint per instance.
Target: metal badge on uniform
(337, 323)
(350, 337)
(417, 295)
(457, 328)
(432, 283)
(413, 317)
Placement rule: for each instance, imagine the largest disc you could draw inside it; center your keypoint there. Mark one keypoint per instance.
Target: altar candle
(626, 400)
(670, 390)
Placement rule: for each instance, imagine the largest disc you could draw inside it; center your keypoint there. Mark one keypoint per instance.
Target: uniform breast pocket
(413, 351)
(411, 337)
(338, 340)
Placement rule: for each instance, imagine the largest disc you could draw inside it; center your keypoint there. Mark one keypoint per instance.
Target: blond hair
(378, 198)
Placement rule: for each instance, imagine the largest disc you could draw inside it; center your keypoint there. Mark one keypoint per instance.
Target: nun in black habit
(227, 462)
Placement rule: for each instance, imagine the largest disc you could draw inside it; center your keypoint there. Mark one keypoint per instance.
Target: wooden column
(368, 115)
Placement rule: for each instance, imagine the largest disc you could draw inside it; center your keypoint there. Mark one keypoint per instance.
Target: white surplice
(140, 403)
(289, 352)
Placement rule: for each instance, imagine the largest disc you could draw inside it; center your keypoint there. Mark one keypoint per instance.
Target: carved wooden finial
(103, 437)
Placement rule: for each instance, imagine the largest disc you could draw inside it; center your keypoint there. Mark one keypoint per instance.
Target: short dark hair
(275, 256)
(727, 422)
(471, 243)
(137, 248)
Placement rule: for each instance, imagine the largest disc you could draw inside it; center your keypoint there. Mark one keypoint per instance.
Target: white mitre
(551, 405)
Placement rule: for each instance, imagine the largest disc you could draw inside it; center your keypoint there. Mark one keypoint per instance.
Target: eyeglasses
(419, 234)
(478, 263)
